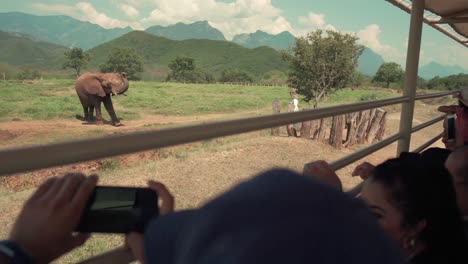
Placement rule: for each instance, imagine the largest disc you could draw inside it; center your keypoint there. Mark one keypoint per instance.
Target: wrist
(15, 253)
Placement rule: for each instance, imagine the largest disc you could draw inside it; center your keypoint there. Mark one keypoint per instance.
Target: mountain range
(433, 69)
(64, 31)
(210, 55)
(181, 31)
(282, 40)
(20, 49)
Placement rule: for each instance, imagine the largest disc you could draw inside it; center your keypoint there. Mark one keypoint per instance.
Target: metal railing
(31, 158)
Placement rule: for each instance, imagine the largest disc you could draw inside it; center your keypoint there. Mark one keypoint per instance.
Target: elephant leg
(110, 110)
(86, 113)
(97, 106)
(91, 114)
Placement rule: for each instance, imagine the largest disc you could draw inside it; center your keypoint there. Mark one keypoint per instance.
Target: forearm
(447, 109)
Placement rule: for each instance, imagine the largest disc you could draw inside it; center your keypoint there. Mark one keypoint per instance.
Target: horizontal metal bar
(357, 189)
(449, 20)
(435, 95)
(38, 157)
(428, 123)
(429, 143)
(345, 161)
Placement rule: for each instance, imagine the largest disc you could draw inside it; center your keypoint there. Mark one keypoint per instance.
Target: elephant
(94, 88)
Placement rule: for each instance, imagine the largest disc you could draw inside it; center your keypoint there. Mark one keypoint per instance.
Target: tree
(76, 59)
(434, 83)
(183, 69)
(358, 79)
(323, 62)
(421, 83)
(124, 60)
(235, 75)
(389, 72)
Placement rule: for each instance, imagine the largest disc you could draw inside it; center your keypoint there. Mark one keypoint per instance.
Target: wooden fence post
(374, 125)
(314, 127)
(381, 133)
(275, 131)
(290, 127)
(362, 129)
(336, 132)
(305, 129)
(321, 129)
(351, 128)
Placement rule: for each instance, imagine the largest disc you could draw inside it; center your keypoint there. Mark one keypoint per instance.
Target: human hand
(45, 227)
(363, 170)
(135, 241)
(449, 143)
(322, 170)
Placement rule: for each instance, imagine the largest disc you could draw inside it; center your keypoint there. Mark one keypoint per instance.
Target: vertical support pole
(411, 74)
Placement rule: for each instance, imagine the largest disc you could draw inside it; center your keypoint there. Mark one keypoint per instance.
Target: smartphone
(119, 210)
(451, 127)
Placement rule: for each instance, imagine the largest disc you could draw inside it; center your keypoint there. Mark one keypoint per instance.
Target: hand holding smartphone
(119, 210)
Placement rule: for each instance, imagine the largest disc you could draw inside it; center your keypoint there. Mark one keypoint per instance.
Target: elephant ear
(98, 88)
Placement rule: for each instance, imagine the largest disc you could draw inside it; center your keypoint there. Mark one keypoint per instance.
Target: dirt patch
(6, 135)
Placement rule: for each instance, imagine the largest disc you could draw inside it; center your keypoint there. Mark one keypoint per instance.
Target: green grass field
(56, 99)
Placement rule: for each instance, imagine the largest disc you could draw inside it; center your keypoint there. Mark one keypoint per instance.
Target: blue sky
(380, 26)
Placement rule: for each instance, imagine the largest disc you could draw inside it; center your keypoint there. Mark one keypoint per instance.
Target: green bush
(110, 164)
(274, 78)
(235, 75)
(183, 69)
(28, 74)
(124, 60)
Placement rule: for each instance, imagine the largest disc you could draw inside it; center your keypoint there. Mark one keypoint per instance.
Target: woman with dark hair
(415, 203)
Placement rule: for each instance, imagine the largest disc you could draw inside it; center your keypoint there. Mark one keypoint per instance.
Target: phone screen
(451, 127)
(119, 210)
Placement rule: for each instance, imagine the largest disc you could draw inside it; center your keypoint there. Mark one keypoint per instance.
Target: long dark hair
(423, 190)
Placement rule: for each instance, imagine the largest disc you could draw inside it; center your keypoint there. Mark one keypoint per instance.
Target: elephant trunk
(122, 87)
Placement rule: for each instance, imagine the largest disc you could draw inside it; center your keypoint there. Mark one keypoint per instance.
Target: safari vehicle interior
(448, 17)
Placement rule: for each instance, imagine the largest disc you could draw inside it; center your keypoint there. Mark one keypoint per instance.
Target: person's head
(415, 204)
(277, 217)
(457, 165)
(293, 93)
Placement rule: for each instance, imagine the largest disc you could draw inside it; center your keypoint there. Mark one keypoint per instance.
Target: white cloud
(453, 54)
(89, 13)
(312, 22)
(60, 9)
(86, 12)
(241, 16)
(139, 3)
(369, 37)
(129, 10)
